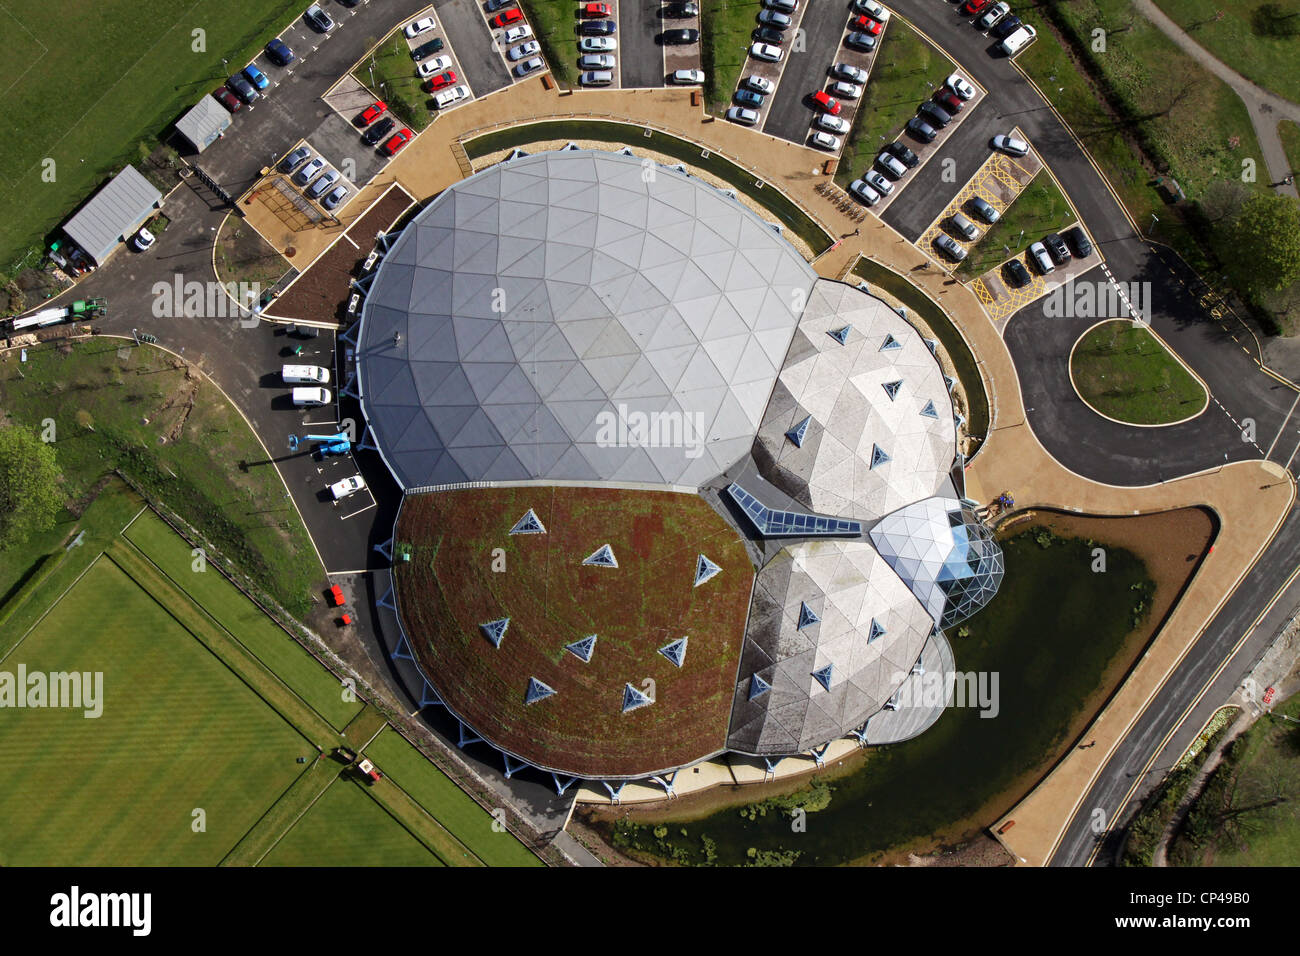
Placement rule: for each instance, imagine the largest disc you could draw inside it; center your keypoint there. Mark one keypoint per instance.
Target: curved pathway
(1265, 108)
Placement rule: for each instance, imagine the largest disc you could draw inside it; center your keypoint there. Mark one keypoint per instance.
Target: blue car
(279, 52)
(749, 98)
(256, 77)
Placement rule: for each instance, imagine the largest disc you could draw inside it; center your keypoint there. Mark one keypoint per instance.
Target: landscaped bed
(1039, 209)
(1125, 372)
(389, 73)
(466, 569)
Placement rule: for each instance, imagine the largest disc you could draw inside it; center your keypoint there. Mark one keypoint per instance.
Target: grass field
(906, 72)
(179, 731)
(1125, 372)
(346, 827)
(117, 79)
(1289, 133)
(1262, 48)
(99, 400)
(1039, 209)
(553, 23)
(725, 36)
(395, 81)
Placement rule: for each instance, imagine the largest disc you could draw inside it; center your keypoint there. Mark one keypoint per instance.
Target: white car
(688, 77)
(515, 34)
(143, 239)
(1021, 38)
(826, 141)
(871, 9)
(422, 25)
(832, 124)
(530, 65)
(992, 15)
(846, 91)
(759, 84)
(347, 487)
(436, 65)
(879, 183)
(1010, 145)
(960, 85)
(738, 114)
(847, 71)
(766, 51)
(531, 48)
(1038, 252)
(597, 45)
(864, 192)
(448, 97)
(891, 164)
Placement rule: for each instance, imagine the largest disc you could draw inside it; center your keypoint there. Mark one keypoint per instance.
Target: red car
(868, 25)
(594, 11)
(399, 139)
(507, 17)
(972, 7)
(826, 103)
(373, 113)
(227, 99)
(441, 80)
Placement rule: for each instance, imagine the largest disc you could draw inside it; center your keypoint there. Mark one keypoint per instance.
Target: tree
(29, 485)
(1265, 243)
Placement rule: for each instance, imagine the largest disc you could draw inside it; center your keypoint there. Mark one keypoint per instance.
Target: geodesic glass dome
(945, 554)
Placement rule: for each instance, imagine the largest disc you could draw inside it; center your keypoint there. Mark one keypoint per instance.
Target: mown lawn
(554, 23)
(906, 72)
(1290, 135)
(1039, 209)
(725, 37)
(117, 73)
(178, 732)
(131, 410)
(1124, 371)
(1261, 44)
(389, 72)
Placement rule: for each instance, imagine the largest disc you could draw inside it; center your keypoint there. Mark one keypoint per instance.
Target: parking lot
(498, 47)
(1002, 300)
(478, 60)
(679, 56)
(824, 26)
(773, 71)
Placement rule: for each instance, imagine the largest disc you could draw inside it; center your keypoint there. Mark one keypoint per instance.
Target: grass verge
(1289, 133)
(1126, 373)
(554, 25)
(389, 73)
(1259, 40)
(725, 37)
(1039, 209)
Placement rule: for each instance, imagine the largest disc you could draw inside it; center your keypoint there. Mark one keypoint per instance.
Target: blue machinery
(338, 444)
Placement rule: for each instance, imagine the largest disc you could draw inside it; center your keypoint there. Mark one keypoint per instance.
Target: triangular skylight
(799, 432)
(582, 649)
(807, 616)
(757, 686)
(602, 557)
(823, 675)
(891, 389)
(705, 569)
(929, 411)
(890, 343)
(537, 691)
(841, 334)
(676, 651)
(874, 631)
(879, 456)
(528, 524)
(633, 698)
(495, 630)
(932, 345)
(949, 381)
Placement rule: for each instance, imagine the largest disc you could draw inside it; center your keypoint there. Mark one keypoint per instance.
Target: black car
(240, 85)
(278, 52)
(378, 131)
(920, 129)
(934, 114)
(763, 35)
(681, 11)
(1005, 27)
(426, 49)
(902, 154)
(1018, 273)
(677, 37)
(597, 28)
(1056, 247)
(1079, 239)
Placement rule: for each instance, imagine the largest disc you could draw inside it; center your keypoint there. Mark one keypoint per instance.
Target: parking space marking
(373, 504)
(853, 56)
(498, 44)
(685, 56)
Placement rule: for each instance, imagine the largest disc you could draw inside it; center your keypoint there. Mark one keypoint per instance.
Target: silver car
(738, 114)
(864, 192)
(892, 165)
(1038, 252)
(950, 247)
(964, 226)
(322, 183)
(531, 48)
(303, 176)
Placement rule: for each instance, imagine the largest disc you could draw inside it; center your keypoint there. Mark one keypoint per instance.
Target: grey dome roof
(535, 316)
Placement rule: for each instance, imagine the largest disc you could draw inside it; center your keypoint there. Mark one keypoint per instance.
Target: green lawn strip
(906, 72)
(284, 813)
(233, 654)
(1039, 209)
(1262, 48)
(143, 72)
(417, 820)
(110, 411)
(102, 522)
(346, 827)
(179, 732)
(395, 81)
(1125, 372)
(1180, 114)
(446, 802)
(726, 28)
(1246, 815)
(1289, 133)
(964, 367)
(363, 728)
(554, 25)
(269, 642)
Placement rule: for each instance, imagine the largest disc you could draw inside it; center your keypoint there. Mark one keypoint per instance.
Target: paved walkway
(1266, 109)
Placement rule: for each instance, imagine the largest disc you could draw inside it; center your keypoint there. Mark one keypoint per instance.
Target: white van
(1019, 40)
(596, 78)
(305, 375)
(311, 396)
